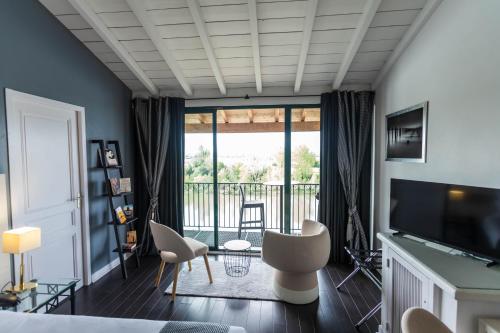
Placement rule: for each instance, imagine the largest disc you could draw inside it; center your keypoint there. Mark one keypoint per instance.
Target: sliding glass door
(267, 154)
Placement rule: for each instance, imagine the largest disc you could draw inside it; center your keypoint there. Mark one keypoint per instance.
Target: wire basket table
(237, 257)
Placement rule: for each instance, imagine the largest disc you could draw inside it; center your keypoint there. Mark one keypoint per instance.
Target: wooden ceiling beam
(308, 126)
(194, 8)
(366, 19)
(151, 29)
(250, 115)
(88, 14)
(224, 116)
(254, 32)
(306, 40)
(303, 115)
(276, 115)
(422, 18)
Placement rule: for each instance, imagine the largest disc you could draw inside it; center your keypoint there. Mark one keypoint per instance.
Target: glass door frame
(286, 216)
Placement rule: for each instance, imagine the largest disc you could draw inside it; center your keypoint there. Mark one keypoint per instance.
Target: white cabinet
(457, 289)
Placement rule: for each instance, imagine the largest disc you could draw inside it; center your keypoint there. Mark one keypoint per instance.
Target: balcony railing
(199, 212)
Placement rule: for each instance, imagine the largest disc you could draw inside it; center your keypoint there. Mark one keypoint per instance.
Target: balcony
(199, 212)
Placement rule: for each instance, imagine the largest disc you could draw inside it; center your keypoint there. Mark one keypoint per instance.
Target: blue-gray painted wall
(39, 56)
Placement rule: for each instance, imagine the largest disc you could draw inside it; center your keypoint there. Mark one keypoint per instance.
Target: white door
(45, 182)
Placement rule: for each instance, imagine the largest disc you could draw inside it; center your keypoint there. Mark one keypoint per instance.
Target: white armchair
(175, 249)
(296, 258)
(417, 320)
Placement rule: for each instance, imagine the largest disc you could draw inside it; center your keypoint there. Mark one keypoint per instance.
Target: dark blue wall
(39, 56)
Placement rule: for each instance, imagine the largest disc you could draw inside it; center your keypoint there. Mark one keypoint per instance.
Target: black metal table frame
(367, 262)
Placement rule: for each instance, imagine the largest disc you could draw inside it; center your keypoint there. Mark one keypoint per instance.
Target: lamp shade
(21, 240)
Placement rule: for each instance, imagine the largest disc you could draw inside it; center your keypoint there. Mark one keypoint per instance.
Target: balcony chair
(417, 320)
(175, 249)
(249, 204)
(296, 258)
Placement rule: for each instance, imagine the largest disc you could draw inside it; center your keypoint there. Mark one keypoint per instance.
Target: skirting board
(107, 268)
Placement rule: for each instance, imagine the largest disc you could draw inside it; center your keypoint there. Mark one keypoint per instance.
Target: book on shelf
(125, 185)
(114, 184)
(129, 211)
(132, 236)
(129, 246)
(110, 157)
(120, 215)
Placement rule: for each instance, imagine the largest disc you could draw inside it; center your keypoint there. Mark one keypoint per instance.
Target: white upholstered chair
(175, 249)
(417, 320)
(296, 258)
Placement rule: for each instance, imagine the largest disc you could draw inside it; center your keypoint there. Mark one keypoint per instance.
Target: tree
(199, 169)
(303, 162)
(256, 175)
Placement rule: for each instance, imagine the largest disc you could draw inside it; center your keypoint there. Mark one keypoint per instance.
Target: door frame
(287, 131)
(11, 96)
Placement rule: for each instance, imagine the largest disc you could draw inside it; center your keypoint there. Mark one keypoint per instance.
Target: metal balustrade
(199, 212)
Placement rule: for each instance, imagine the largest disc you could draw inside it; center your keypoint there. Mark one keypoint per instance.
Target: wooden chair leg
(176, 275)
(160, 273)
(189, 264)
(205, 257)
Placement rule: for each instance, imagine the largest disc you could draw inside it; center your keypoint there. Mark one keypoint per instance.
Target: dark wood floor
(135, 297)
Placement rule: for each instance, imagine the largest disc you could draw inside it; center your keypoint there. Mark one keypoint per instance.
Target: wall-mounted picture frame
(406, 134)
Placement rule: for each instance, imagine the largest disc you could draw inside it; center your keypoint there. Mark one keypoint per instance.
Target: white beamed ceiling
(280, 31)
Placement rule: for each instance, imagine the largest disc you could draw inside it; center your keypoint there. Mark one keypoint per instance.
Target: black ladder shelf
(130, 223)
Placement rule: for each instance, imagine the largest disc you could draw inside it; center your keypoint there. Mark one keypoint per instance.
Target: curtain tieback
(353, 211)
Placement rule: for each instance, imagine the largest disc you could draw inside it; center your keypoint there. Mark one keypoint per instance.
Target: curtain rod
(247, 97)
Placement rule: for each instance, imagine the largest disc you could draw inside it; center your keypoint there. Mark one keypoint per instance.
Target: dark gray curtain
(156, 122)
(334, 209)
(355, 121)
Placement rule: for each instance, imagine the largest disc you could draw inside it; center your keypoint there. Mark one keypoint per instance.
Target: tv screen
(462, 217)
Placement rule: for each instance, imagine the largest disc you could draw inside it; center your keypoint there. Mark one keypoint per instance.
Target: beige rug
(257, 284)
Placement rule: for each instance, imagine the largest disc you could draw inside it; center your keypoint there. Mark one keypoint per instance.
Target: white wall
(454, 63)
(4, 258)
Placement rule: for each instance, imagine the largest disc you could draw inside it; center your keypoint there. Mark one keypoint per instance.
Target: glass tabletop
(46, 294)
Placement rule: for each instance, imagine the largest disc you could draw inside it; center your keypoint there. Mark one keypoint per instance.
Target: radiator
(406, 293)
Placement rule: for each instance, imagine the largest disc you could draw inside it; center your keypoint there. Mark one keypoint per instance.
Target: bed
(13, 322)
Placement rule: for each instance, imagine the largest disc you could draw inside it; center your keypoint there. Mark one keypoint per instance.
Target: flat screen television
(462, 217)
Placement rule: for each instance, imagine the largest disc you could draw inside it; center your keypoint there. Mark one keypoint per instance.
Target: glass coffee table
(46, 295)
(237, 257)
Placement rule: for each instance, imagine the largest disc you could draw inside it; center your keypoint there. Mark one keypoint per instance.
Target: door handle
(78, 200)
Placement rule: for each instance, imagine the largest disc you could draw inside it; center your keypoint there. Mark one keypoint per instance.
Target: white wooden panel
(279, 50)
(131, 33)
(281, 9)
(198, 72)
(319, 77)
(332, 36)
(321, 68)
(228, 28)
(192, 64)
(240, 79)
(139, 45)
(277, 61)
(236, 62)
(387, 19)
(59, 7)
(290, 69)
(281, 25)
(233, 52)
(331, 22)
(204, 80)
(125, 75)
(188, 43)
(366, 66)
(280, 38)
(333, 58)
(117, 66)
(192, 54)
(165, 82)
(225, 13)
(171, 16)
(147, 56)
(177, 30)
(325, 48)
(159, 74)
(378, 45)
(385, 33)
(280, 77)
(98, 47)
(231, 71)
(74, 22)
(363, 75)
(164, 4)
(388, 5)
(108, 57)
(153, 65)
(108, 6)
(326, 83)
(371, 57)
(86, 35)
(328, 7)
(134, 84)
(120, 20)
(231, 41)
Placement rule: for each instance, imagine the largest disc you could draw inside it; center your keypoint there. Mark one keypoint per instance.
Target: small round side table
(237, 257)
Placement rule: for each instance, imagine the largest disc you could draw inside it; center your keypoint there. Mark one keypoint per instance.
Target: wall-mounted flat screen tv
(462, 217)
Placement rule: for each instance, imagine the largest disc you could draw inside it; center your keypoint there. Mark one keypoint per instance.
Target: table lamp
(19, 241)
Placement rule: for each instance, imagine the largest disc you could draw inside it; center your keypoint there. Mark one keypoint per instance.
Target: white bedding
(13, 322)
